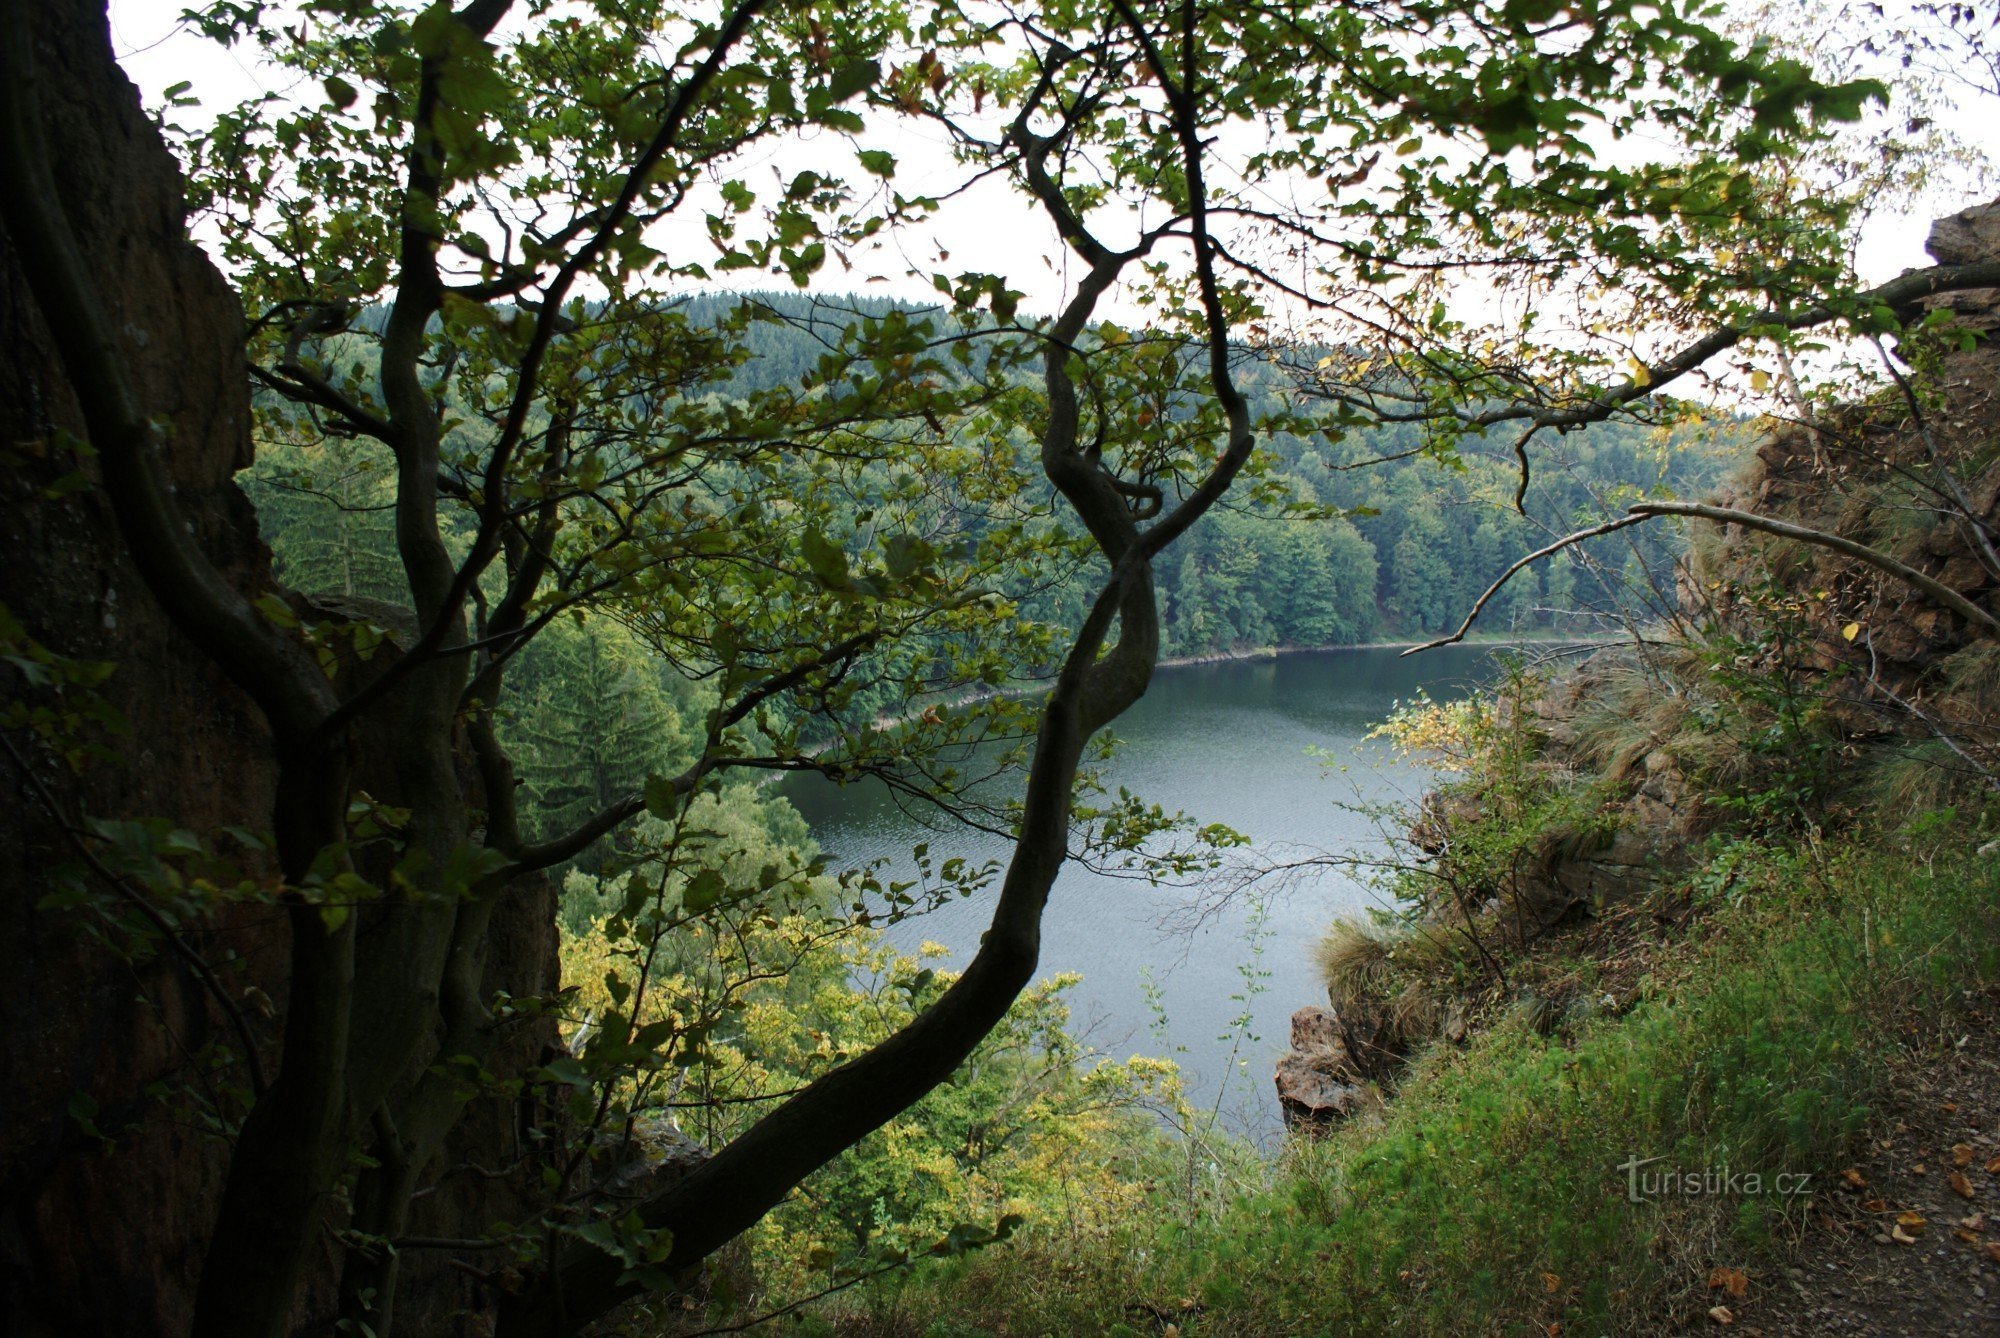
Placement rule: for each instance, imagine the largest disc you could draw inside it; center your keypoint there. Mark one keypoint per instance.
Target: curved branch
(1898, 294)
(1479, 605)
(1723, 515)
(610, 818)
(1873, 557)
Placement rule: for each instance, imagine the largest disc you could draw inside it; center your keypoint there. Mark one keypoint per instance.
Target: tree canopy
(466, 269)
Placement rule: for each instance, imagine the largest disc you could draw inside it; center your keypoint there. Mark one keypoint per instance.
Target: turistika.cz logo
(1705, 1182)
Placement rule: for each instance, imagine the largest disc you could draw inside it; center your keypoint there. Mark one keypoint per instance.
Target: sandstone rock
(1315, 1028)
(1319, 1083)
(110, 1240)
(1314, 1092)
(1966, 237)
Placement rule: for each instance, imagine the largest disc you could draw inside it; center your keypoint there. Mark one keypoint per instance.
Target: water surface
(1272, 747)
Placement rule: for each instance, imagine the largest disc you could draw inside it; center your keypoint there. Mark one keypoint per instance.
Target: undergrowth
(1493, 1196)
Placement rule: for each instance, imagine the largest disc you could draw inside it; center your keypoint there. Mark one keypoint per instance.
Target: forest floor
(1907, 1241)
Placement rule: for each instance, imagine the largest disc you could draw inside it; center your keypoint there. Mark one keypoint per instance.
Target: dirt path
(1908, 1241)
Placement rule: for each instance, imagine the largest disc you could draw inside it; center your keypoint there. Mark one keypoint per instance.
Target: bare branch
(1723, 515)
(1479, 605)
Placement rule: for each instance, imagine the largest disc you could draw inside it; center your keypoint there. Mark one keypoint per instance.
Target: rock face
(90, 1242)
(1319, 1083)
(1874, 646)
(1967, 237)
(106, 1185)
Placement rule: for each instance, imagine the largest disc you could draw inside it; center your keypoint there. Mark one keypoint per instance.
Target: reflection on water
(1238, 743)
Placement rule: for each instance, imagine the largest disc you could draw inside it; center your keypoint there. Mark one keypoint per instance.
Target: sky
(991, 229)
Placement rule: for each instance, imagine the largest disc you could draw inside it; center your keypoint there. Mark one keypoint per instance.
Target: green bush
(1493, 1196)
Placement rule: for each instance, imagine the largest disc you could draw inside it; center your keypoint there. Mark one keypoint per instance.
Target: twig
(1479, 605)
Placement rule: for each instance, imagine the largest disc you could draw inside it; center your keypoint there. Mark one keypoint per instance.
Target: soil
(1865, 1265)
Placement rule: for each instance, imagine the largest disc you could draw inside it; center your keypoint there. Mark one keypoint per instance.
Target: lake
(1274, 748)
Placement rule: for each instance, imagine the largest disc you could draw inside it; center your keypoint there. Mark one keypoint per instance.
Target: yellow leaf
(1640, 376)
(1851, 631)
(1760, 381)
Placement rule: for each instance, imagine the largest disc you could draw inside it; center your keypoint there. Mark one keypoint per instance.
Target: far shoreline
(1273, 652)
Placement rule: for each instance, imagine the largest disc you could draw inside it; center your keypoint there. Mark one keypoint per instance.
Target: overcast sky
(991, 230)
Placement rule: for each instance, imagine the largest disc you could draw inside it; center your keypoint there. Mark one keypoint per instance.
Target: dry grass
(1394, 972)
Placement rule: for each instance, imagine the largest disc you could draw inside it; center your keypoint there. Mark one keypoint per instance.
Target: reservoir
(1273, 747)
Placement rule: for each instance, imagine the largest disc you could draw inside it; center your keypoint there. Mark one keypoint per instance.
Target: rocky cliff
(1790, 674)
(109, 1164)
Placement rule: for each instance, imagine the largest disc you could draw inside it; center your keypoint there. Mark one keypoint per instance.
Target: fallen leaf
(1918, 1169)
(1960, 1185)
(1914, 1221)
(1854, 1177)
(1732, 1280)
(1875, 1206)
(1551, 1283)
(1969, 1237)
(1976, 1222)
(1993, 1250)
(1949, 1108)
(1722, 1314)
(1553, 1330)
(1961, 1154)
(1901, 1237)
(1994, 1166)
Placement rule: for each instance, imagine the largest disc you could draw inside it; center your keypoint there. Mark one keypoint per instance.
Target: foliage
(755, 1005)
(464, 237)
(1453, 737)
(1493, 1195)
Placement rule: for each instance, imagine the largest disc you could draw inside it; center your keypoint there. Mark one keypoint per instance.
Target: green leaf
(827, 559)
(340, 93)
(852, 79)
(879, 161)
(661, 799)
(432, 32)
(567, 1071)
(704, 891)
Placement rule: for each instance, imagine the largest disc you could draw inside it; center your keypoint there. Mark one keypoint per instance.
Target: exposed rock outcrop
(107, 1185)
(89, 1242)
(1319, 1082)
(1637, 745)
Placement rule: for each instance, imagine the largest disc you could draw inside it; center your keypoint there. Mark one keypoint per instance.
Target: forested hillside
(1364, 534)
(422, 557)
(1355, 536)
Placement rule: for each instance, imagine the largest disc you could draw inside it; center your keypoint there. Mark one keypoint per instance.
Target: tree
(486, 206)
